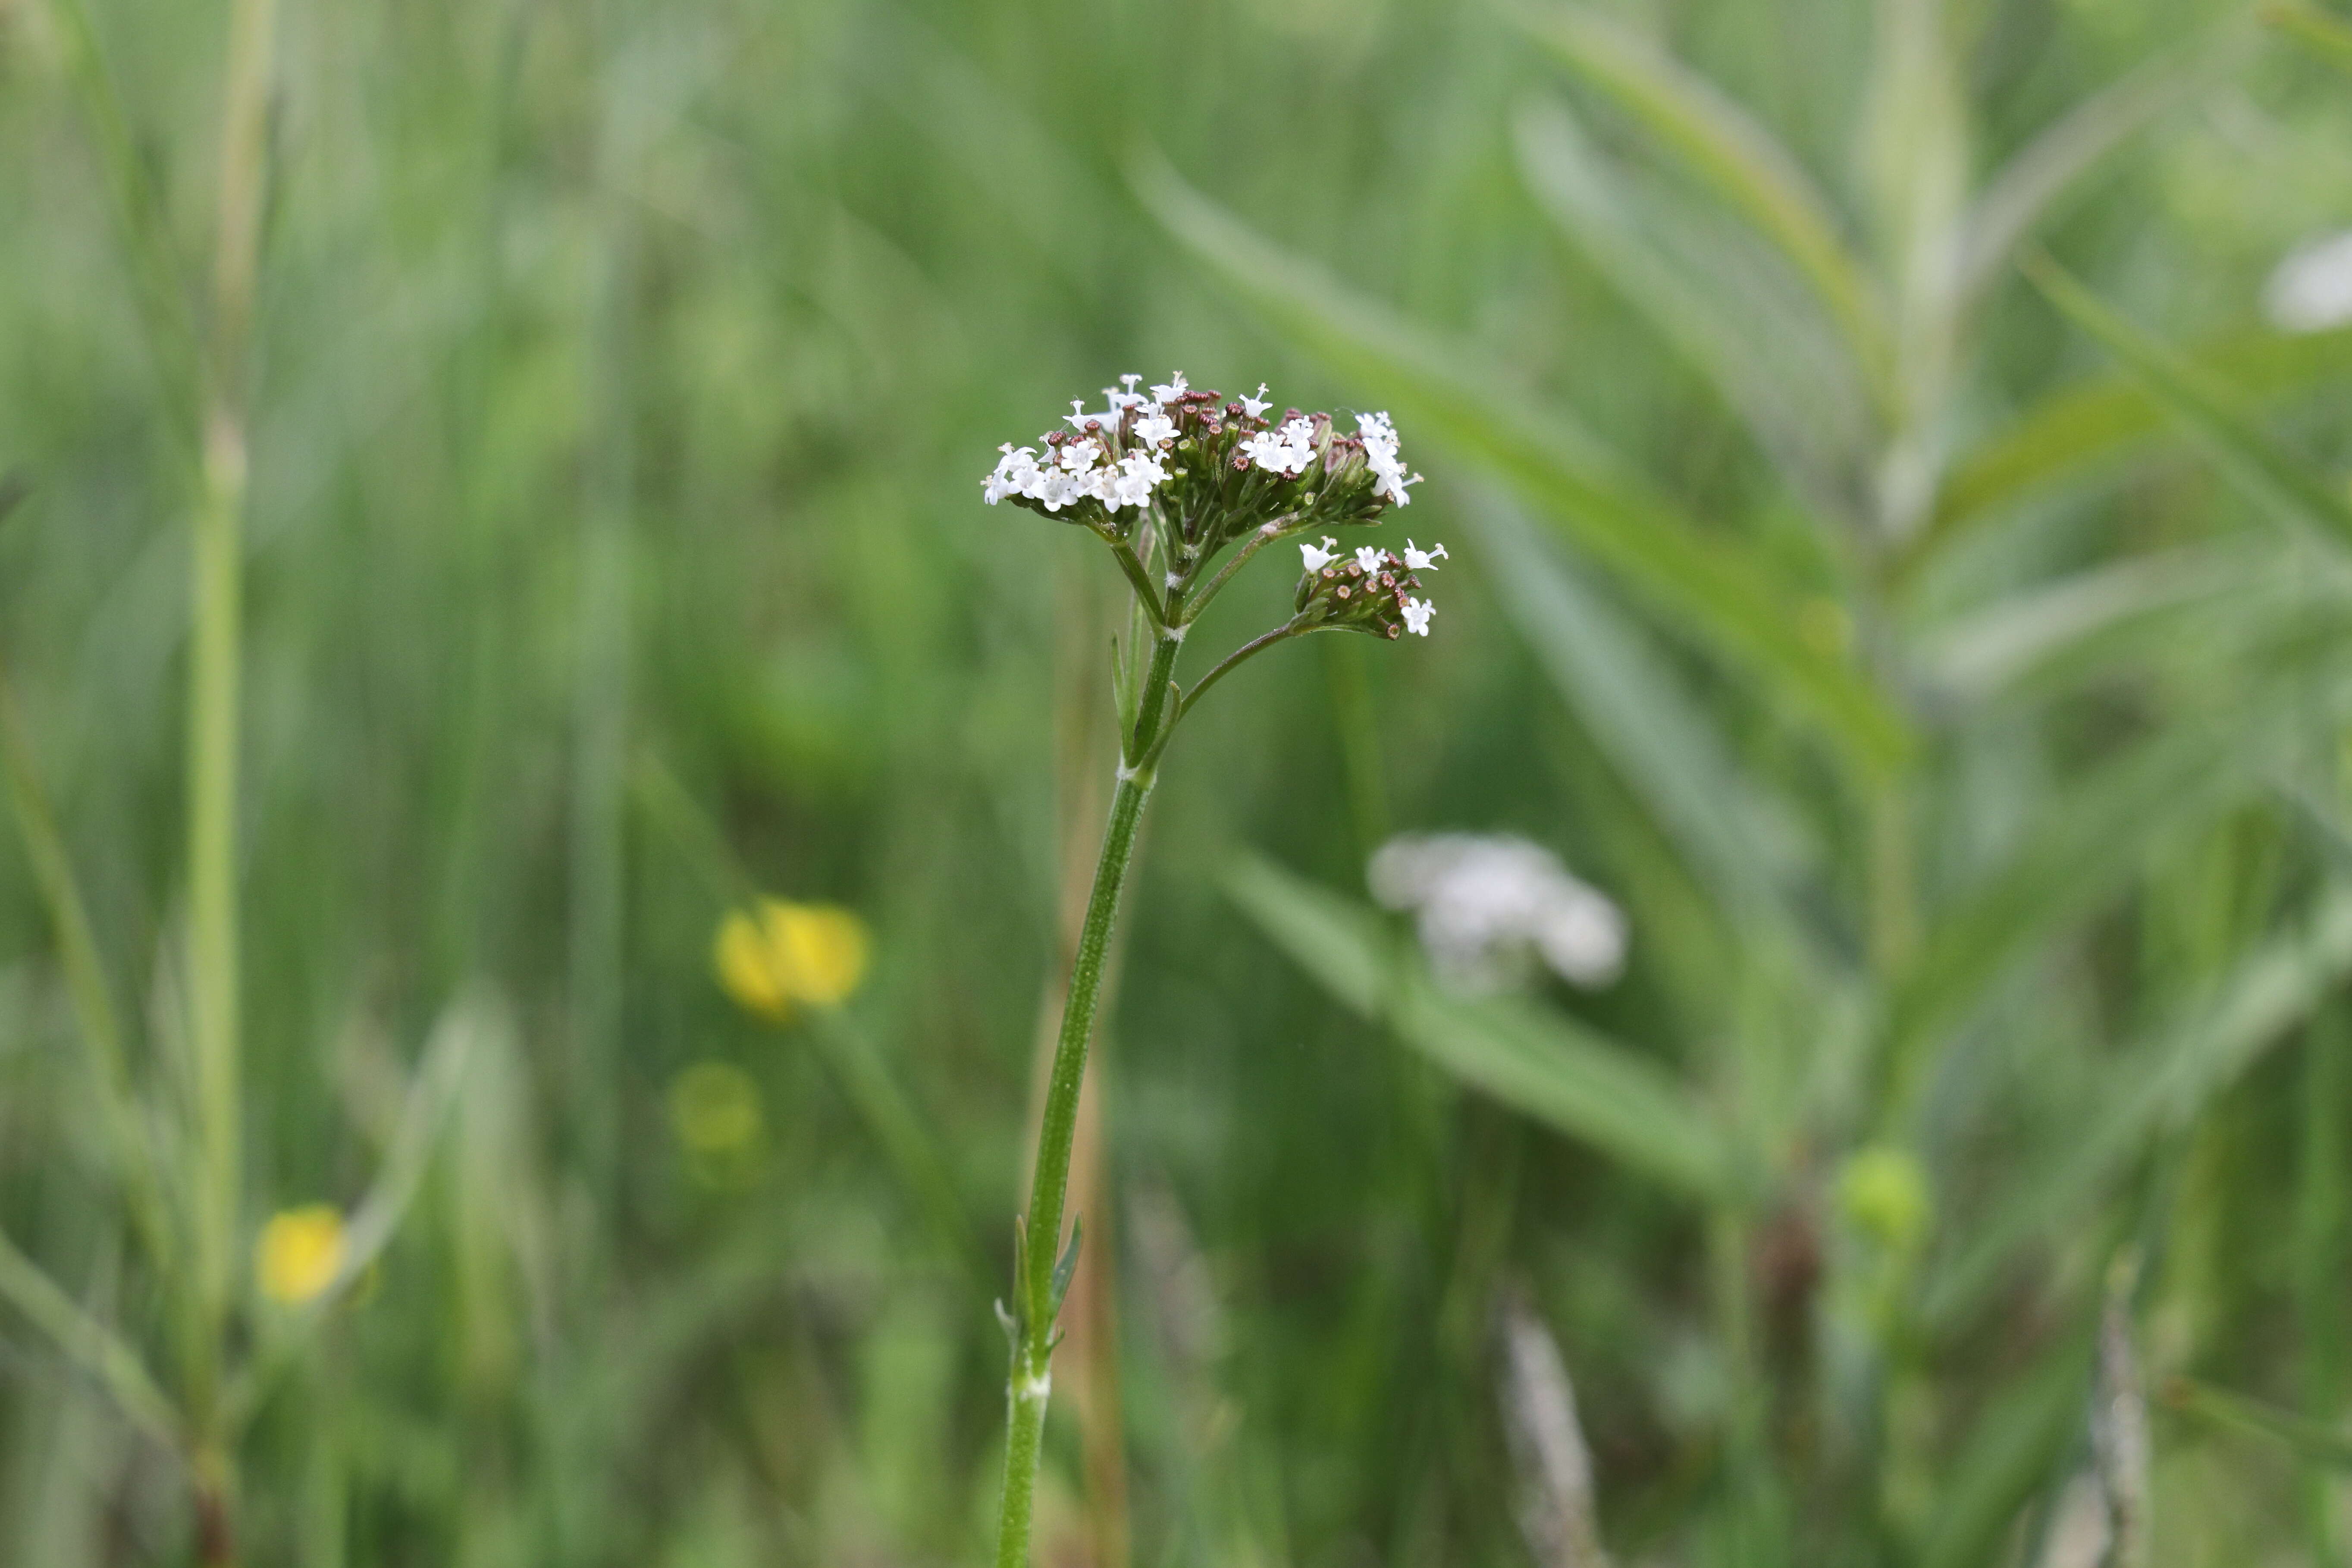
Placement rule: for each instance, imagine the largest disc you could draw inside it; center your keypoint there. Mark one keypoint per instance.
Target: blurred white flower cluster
(2310, 290)
(1486, 905)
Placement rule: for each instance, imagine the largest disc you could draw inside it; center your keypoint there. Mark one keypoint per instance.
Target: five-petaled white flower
(1154, 427)
(1119, 402)
(1416, 616)
(1169, 392)
(1255, 407)
(1368, 556)
(1423, 560)
(1319, 559)
(1079, 456)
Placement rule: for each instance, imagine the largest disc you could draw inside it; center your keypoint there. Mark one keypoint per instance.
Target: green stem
(1029, 1384)
(212, 867)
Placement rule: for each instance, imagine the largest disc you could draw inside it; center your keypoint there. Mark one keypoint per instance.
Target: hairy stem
(1029, 1384)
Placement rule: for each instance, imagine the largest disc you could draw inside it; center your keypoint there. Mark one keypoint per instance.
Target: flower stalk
(1168, 481)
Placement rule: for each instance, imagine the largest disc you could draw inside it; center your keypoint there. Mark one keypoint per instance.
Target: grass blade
(2315, 1442)
(1667, 750)
(1775, 362)
(2324, 37)
(2085, 846)
(1538, 1062)
(2079, 431)
(2243, 453)
(89, 1342)
(432, 1092)
(96, 1022)
(1727, 150)
(2162, 1084)
(1712, 585)
(2032, 182)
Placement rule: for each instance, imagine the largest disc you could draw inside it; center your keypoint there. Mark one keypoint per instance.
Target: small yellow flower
(781, 953)
(1884, 1194)
(300, 1253)
(714, 1107)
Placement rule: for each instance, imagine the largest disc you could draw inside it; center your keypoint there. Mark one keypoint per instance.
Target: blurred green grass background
(1947, 672)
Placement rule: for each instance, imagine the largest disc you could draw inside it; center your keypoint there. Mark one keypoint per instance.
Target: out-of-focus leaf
(1562, 1073)
(2315, 1442)
(2078, 431)
(2010, 1452)
(2163, 1084)
(1725, 149)
(1731, 837)
(2243, 453)
(1713, 585)
(1774, 360)
(2327, 37)
(2086, 844)
(2015, 199)
(2061, 625)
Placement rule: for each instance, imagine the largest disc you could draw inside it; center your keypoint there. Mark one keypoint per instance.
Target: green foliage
(1944, 669)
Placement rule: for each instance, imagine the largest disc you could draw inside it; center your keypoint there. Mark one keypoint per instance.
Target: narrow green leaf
(2084, 847)
(2243, 453)
(2316, 1442)
(2082, 430)
(2010, 1450)
(2029, 183)
(2162, 1084)
(1724, 148)
(1775, 361)
(1541, 1063)
(1712, 585)
(1730, 837)
(95, 1024)
(89, 1343)
(2024, 639)
(2326, 36)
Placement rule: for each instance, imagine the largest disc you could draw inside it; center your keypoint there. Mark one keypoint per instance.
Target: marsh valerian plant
(1184, 489)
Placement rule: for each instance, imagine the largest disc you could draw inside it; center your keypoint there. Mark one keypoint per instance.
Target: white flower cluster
(1416, 612)
(1088, 466)
(1379, 439)
(2311, 291)
(1076, 471)
(1483, 902)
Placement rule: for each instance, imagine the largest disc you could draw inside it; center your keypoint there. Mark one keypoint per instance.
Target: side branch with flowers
(1171, 480)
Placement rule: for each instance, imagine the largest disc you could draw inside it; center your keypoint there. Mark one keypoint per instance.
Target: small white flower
(1377, 434)
(1079, 456)
(1483, 905)
(1131, 481)
(1078, 418)
(1368, 556)
(1015, 474)
(1390, 482)
(1416, 616)
(1119, 402)
(1058, 490)
(1317, 560)
(1154, 427)
(1256, 407)
(1269, 451)
(1423, 560)
(1169, 392)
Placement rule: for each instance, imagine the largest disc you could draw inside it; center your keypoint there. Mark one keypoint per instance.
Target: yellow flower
(300, 1253)
(1884, 1194)
(781, 953)
(714, 1107)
